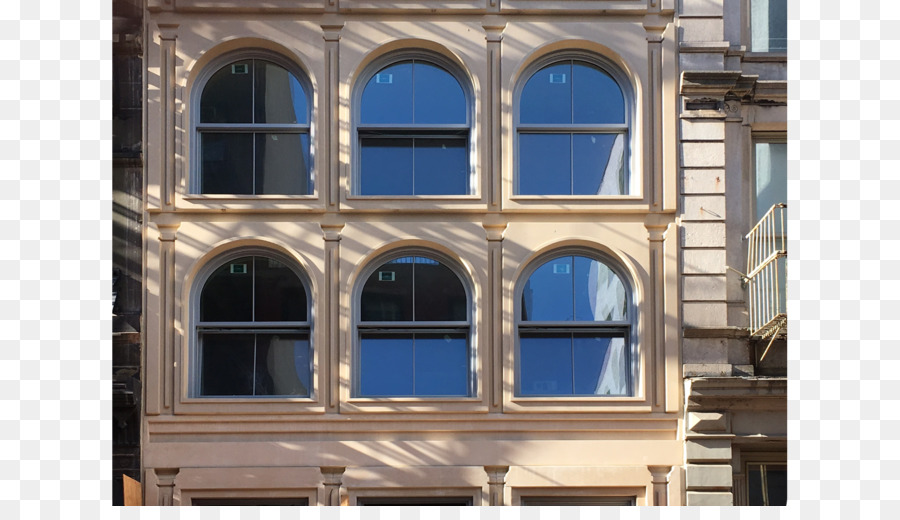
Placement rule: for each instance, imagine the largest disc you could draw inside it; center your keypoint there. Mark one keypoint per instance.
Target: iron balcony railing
(766, 274)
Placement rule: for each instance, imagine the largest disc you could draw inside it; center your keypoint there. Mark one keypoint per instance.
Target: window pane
(441, 364)
(599, 365)
(279, 96)
(754, 486)
(227, 163)
(228, 95)
(771, 176)
(388, 293)
(599, 161)
(386, 166)
(280, 295)
(768, 25)
(282, 364)
(226, 364)
(441, 167)
(386, 365)
(388, 96)
(597, 97)
(439, 98)
(544, 164)
(547, 96)
(439, 294)
(599, 293)
(227, 294)
(776, 484)
(545, 364)
(548, 293)
(282, 164)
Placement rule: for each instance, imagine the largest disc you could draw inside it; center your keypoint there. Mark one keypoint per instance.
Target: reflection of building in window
(768, 25)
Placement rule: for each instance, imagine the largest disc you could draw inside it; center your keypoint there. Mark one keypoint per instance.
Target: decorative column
(165, 484)
(167, 231)
(660, 479)
(331, 115)
(167, 36)
(331, 478)
(492, 110)
(331, 232)
(655, 25)
(494, 228)
(496, 483)
(657, 225)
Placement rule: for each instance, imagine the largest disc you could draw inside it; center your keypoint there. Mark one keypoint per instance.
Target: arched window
(253, 129)
(253, 329)
(575, 330)
(572, 131)
(413, 130)
(414, 330)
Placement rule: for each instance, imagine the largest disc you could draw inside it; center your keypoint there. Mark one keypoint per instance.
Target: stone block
(703, 288)
(703, 155)
(705, 351)
(707, 370)
(701, 8)
(708, 450)
(698, 476)
(704, 315)
(701, 29)
(702, 130)
(701, 61)
(703, 261)
(703, 207)
(707, 422)
(703, 234)
(709, 498)
(703, 181)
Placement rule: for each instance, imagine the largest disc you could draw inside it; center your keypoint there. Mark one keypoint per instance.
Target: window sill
(249, 405)
(777, 57)
(400, 405)
(577, 404)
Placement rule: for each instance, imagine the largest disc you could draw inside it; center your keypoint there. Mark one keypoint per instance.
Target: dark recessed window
(253, 330)
(254, 131)
(414, 331)
(413, 132)
(767, 484)
(572, 132)
(414, 501)
(574, 330)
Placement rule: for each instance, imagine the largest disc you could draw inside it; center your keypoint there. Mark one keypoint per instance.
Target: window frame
(197, 326)
(197, 128)
(628, 128)
(748, 27)
(761, 138)
(632, 361)
(413, 131)
(413, 327)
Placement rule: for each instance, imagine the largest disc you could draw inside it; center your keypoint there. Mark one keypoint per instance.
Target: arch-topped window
(414, 330)
(253, 329)
(572, 131)
(575, 329)
(254, 129)
(413, 129)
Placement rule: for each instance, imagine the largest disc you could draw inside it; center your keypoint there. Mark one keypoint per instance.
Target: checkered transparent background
(56, 248)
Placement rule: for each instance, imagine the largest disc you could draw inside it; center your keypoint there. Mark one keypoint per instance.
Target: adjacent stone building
(461, 253)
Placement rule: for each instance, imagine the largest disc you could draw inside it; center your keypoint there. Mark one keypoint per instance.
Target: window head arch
(252, 329)
(414, 330)
(253, 128)
(575, 329)
(572, 130)
(414, 128)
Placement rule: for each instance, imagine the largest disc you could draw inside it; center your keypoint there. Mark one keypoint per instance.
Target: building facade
(449, 252)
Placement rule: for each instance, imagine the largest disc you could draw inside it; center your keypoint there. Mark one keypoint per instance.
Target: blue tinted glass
(282, 164)
(545, 364)
(441, 364)
(228, 293)
(282, 364)
(388, 96)
(227, 163)
(545, 164)
(279, 96)
(599, 293)
(598, 164)
(590, 353)
(597, 97)
(386, 365)
(226, 364)
(547, 96)
(441, 167)
(388, 293)
(439, 98)
(386, 166)
(547, 296)
(228, 95)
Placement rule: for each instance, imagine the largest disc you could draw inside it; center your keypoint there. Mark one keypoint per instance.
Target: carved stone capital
(657, 225)
(494, 227)
(168, 31)
(167, 231)
(331, 32)
(493, 27)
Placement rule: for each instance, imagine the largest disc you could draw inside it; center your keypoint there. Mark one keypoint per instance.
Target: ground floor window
(414, 501)
(766, 484)
(577, 501)
(299, 501)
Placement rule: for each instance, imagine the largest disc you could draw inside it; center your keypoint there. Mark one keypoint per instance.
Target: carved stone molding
(331, 478)
(496, 482)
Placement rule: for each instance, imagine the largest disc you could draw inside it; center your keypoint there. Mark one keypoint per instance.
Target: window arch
(575, 328)
(414, 329)
(252, 328)
(253, 127)
(572, 129)
(413, 127)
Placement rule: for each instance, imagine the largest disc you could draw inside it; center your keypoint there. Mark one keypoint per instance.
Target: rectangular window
(414, 501)
(577, 501)
(768, 226)
(768, 25)
(250, 501)
(767, 484)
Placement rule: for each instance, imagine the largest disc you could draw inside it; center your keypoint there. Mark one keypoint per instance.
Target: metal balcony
(766, 274)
